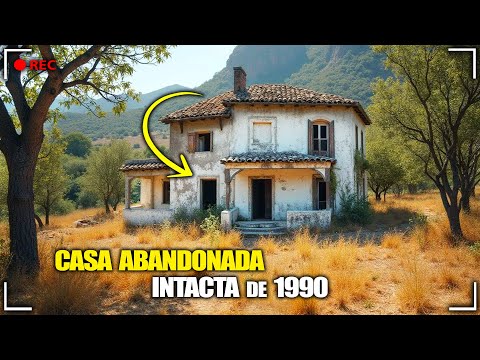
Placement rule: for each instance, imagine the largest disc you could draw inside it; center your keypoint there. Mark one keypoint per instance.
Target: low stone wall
(228, 218)
(318, 218)
(143, 217)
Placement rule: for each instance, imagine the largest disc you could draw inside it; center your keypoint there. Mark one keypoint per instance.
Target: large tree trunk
(453, 214)
(23, 233)
(107, 208)
(47, 216)
(466, 203)
(378, 196)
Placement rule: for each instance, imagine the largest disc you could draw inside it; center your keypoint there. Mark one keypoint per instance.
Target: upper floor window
(200, 141)
(320, 140)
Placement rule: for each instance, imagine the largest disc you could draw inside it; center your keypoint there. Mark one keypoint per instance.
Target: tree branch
(7, 129)
(14, 86)
(47, 54)
(80, 60)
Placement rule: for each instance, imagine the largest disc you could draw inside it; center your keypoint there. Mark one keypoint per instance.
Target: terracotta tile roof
(143, 164)
(219, 106)
(290, 156)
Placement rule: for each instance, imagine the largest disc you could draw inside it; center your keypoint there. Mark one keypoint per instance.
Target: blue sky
(188, 65)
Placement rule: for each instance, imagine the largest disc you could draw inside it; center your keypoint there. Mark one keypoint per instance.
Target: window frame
(193, 141)
(329, 137)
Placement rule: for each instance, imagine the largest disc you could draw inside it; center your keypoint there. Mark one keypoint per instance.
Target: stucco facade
(260, 132)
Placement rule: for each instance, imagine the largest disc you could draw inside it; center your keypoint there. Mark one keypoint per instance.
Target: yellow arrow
(182, 171)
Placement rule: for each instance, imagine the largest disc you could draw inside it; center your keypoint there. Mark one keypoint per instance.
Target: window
(208, 193)
(166, 192)
(356, 137)
(320, 139)
(361, 143)
(320, 194)
(200, 142)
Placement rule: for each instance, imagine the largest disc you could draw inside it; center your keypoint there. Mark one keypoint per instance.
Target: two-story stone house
(264, 152)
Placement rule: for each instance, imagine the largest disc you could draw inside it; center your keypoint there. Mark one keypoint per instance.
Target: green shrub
(211, 227)
(86, 199)
(418, 220)
(354, 209)
(63, 206)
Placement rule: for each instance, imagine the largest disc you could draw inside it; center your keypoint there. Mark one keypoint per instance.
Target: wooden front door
(261, 199)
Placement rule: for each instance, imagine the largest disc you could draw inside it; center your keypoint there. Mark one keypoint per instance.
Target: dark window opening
(320, 139)
(322, 195)
(200, 142)
(208, 193)
(261, 199)
(203, 142)
(166, 192)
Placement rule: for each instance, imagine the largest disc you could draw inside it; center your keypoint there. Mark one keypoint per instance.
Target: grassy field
(392, 266)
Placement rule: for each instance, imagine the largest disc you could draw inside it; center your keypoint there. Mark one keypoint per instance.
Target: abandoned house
(271, 155)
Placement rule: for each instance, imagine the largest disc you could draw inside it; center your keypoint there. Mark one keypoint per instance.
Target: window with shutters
(200, 142)
(321, 138)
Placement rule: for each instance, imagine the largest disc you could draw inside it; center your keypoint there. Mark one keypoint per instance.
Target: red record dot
(19, 64)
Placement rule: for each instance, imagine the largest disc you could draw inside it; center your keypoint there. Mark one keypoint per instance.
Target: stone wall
(143, 217)
(319, 218)
(228, 218)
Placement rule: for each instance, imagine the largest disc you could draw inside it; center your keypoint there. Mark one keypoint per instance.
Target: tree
(78, 144)
(3, 188)
(103, 177)
(469, 157)
(428, 102)
(75, 167)
(81, 73)
(384, 169)
(50, 180)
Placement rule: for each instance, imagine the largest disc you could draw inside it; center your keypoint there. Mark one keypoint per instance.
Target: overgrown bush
(354, 209)
(184, 215)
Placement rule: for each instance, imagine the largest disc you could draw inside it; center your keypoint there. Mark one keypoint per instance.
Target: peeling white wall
(205, 165)
(289, 132)
(146, 193)
(291, 190)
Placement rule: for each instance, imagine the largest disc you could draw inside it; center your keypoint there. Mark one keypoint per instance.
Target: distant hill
(346, 70)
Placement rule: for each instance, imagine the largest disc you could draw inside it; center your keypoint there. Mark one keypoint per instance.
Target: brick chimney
(239, 79)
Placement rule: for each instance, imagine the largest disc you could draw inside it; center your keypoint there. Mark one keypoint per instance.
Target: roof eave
(357, 106)
(194, 118)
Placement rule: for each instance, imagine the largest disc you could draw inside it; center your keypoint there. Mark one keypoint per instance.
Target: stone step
(252, 233)
(261, 224)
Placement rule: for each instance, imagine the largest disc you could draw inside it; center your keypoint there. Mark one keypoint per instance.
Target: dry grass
(106, 230)
(303, 243)
(415, 288)
(413, 272)
(63, 293)
(392, 240)
(268, 245)
(146, 236)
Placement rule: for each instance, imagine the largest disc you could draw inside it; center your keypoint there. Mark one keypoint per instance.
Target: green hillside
(345, 70)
